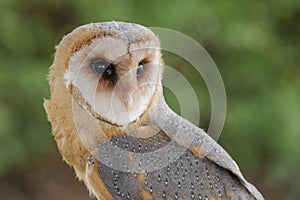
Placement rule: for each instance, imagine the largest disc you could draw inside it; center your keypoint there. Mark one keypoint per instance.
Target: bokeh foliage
(255, 44)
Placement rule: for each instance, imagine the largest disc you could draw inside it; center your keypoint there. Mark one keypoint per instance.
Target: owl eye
(101, 67)
(104, 69)
(140, 69)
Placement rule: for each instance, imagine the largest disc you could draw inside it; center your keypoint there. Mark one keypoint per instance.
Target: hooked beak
(126, 87)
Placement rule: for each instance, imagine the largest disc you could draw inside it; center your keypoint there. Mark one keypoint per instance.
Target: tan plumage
(92, 106)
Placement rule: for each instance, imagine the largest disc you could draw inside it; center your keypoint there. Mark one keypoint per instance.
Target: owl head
(112, 69)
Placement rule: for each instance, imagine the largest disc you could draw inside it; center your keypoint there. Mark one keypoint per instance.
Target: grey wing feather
(187, 177)
(148, 169)
(219, 156)
(175, 125)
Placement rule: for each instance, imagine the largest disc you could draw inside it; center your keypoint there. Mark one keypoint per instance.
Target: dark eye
(104, 69)
(101, 67)
(140, 69)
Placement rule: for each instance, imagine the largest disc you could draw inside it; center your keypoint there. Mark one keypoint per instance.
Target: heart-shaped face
(114, 75)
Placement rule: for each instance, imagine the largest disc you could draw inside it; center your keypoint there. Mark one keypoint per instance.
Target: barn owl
(113, 126)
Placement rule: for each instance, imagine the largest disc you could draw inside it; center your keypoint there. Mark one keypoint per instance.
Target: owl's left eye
(101, 67)
(104, 69)
(140, 69)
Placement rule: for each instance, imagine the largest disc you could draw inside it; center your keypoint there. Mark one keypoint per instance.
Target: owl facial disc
(114, 77)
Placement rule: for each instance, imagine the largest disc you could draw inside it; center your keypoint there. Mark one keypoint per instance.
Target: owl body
(113, 126)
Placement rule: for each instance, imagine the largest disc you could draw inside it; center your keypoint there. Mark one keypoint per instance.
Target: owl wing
(201, 145)
(180, 161)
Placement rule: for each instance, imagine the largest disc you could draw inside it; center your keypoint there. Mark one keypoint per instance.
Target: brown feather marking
(147, 195)
(141, 177)
(229, 193)
(64, 132)
(198, 151)
(96, 182)
(131, 156)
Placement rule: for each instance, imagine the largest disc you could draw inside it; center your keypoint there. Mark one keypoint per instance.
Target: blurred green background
(255, 44)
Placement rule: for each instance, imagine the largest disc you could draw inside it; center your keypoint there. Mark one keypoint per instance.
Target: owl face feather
(114, 75)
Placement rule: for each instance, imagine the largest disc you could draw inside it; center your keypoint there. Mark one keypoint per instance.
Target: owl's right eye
(101, 67)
